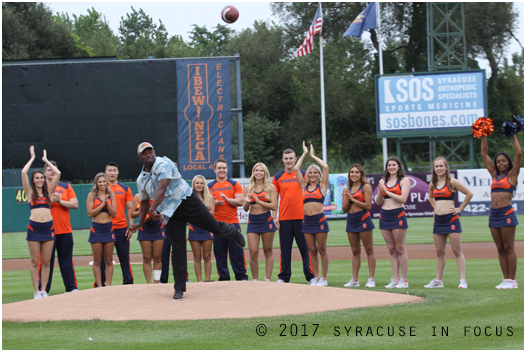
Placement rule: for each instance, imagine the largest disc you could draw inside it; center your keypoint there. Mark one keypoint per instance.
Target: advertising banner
(430, 101)
(204, 115)
(479, 182)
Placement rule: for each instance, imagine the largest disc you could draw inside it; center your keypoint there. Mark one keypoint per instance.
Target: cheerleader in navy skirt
(315, 226)
(151, 237)
(40, 230)
(502, 218)
(199, 238)
(393, 191)
(261, 198)
(356, 202)
(442, 191)
(101, 208)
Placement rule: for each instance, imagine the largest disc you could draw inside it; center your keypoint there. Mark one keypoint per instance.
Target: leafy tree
(140, 37)
(489, 29)
(259, 136)
(92, 32)
(210, 43)
(29, 31)
(268, 85)
(177, 47)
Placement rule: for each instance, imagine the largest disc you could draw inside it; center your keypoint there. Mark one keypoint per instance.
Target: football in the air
(229, 14)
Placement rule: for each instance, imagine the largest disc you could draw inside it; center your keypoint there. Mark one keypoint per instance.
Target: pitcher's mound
(214, 300)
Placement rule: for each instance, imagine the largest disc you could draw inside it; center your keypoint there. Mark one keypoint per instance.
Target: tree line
(281, 94)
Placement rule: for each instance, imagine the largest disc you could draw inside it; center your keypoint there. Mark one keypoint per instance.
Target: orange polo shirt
(290, 194)
(229, 188)
(123, 194)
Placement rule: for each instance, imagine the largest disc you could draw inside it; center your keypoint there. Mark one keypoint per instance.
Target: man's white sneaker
(402, 284)
(267, 280)
(513, 283)
(352, 283)
(37, 295)
(370, 283)
(313, 282)
(499, 286)
(322, 282)
(434, 284)
(463, 284)
(392, 284)
(280, 281)
(44, 294)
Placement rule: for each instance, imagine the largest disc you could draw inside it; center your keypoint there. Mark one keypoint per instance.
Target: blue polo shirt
(164, 169)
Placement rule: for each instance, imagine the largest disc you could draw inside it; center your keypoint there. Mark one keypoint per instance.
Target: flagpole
(323, 133)
(379, 25)
(322, 86)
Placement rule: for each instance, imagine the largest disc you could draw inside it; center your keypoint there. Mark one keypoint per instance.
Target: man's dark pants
(191, 210)
(289, 230)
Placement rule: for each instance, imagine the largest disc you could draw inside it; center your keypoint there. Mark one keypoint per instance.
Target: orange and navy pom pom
(483, 127)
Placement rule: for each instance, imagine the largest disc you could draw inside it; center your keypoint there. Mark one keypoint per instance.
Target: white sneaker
(255, 280)
(370, 283)
(352, 283)
(402, 284)
(392, 284)
(436, 284)
(267, 280)
(44, 294)
(509, 284)
(280, 281)
(463, 284)
(499, 286)
(313, 282)
(37, 295)
(322, 282)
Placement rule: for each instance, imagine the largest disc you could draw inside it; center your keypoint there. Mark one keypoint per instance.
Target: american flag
(315, 28)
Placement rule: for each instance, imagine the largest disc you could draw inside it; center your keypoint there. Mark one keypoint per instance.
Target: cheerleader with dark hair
(41, 229)
(502, 218)
(356, 202)
(393, 191)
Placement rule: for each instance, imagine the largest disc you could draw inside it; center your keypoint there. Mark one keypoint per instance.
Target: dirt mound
(237, 299)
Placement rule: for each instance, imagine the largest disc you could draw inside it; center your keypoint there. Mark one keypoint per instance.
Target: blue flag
(365, 20)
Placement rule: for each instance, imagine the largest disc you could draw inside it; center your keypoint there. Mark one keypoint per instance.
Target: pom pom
(508, 129)
(519, 123)
(515, 125)
(483, 127)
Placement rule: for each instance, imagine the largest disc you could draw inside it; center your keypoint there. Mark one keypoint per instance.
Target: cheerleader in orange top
(261, 197)
(502, 218)
(101, 208)
(41, 229)
(442, 191)
(357, 201)
(199, 238)
(315, 226)
(151, 237)
(393, 191)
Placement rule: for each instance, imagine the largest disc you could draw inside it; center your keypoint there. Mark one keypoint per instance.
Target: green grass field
(475, 229)
(449, 318)
(445, 310)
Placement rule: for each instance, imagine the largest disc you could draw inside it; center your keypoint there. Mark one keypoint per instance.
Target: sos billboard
(429, 104)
